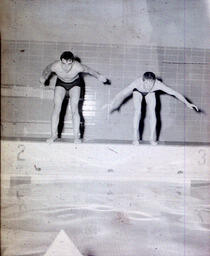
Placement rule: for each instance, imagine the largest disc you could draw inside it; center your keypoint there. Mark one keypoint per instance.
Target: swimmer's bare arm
(46, 72)
(117, 100)
(180, 97)
(90, 71)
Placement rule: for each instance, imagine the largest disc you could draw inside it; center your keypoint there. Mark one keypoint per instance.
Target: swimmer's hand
(102, 79)
(108, 106)
(111, 107)
(108, 82)
(42, 81)
(192, 106)
(105, 106)
(44, 86)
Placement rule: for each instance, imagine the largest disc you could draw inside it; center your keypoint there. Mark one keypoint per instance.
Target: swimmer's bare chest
(143, 89)
(69, 76)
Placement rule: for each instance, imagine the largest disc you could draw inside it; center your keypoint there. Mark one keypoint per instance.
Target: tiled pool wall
(183, 69)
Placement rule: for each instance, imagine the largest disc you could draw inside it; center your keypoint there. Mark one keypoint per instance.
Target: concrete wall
(121, 39)
(177, 23)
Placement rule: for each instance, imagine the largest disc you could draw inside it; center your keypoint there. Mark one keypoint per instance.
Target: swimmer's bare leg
(59, 95)
(151, 104)
(137, 99)
(74, 101)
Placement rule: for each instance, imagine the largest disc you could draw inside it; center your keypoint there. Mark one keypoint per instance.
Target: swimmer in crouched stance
(146, 86)
(67, 70)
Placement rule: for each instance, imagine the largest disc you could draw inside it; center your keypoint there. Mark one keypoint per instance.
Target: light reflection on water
(107, 218)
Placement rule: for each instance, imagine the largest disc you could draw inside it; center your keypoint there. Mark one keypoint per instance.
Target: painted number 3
(21, 151)
(202, 154)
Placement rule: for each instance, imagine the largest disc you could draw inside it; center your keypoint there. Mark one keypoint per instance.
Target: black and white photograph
(105, 138)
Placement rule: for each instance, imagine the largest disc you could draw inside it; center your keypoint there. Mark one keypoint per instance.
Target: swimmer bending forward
(146, 86)
(67, 70)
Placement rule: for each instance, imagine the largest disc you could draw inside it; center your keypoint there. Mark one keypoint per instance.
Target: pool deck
(37, 161)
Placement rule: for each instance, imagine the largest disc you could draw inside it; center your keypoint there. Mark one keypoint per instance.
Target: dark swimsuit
(143, 93)
(68, 86)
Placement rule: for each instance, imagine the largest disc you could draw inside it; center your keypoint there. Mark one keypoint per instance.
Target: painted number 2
(21, 151)
(202, 154)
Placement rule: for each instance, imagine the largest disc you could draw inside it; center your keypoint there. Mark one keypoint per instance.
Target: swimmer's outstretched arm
(117, 100)
(46, 72)
(97, 75)
(180, 97)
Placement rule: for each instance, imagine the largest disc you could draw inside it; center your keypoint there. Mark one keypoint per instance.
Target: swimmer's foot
(153, 142)
(51, 139)
(135, 142)
(77, 141)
